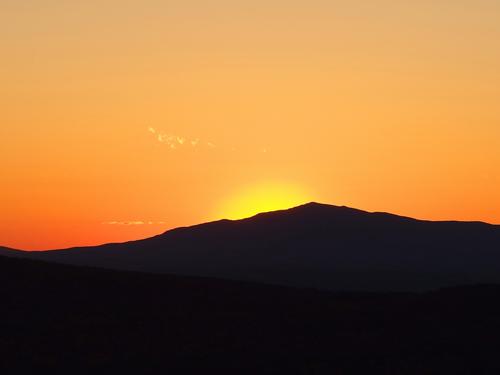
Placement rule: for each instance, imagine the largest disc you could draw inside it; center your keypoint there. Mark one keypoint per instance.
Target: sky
(122, 119)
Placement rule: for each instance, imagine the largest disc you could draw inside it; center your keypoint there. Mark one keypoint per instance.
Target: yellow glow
(263, 198)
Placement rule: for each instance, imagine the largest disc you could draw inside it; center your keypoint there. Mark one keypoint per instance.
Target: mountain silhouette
(313, 245)
(77, 319)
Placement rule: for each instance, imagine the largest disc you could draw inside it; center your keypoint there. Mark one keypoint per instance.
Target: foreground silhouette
(313, 245)
(75, 318)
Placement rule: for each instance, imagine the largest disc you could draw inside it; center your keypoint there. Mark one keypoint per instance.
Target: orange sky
(121, 119)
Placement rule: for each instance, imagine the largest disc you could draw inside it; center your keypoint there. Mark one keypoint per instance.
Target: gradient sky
(121, 119)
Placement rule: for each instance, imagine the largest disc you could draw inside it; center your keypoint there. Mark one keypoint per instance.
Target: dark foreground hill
(78, 318)
(314, 245)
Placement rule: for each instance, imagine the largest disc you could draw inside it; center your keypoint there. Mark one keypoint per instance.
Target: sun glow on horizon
(263, 198)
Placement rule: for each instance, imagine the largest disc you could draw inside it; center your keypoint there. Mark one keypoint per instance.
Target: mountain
(6, 251)
(78, 319)
(314, 245)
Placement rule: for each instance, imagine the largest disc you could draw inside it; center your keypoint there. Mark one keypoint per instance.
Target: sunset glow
(263, 198)
(177, 113)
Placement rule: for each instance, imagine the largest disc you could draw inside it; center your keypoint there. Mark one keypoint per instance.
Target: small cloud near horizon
(133, 222)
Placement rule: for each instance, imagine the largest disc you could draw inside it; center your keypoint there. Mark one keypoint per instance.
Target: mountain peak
(314, 204)
(316, 207)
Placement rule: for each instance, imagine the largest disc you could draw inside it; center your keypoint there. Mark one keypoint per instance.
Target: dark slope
(314, 245)
(77, 317)
(6, 251)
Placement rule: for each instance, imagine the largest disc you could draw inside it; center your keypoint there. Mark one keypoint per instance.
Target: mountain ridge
(312, 245)
(66, 317)
(309, 206)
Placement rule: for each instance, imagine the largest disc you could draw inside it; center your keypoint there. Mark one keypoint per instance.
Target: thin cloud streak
(133, 222)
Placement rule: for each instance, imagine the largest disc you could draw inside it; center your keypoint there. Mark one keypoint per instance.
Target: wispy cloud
(176, 141)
